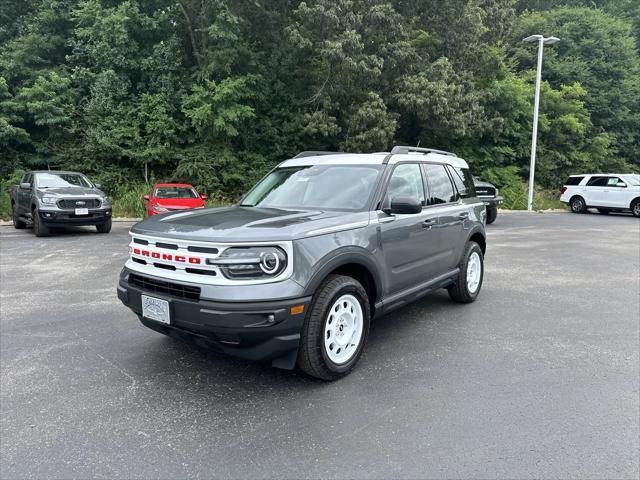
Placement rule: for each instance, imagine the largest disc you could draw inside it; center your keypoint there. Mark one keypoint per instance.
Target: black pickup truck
(56, 199)
(489, 195)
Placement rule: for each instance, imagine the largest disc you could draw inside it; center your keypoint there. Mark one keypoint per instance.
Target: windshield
(633, 180)
(331, 187)
(175, 192)
(57, 180)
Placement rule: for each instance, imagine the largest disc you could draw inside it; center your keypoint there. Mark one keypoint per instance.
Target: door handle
(463, 215)
(428, 223)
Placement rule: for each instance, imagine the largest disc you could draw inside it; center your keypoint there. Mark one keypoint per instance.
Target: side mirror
(146, 198)
(204, 197)
(621, 185)
(97, 185)
(404, 205)
(25, 185)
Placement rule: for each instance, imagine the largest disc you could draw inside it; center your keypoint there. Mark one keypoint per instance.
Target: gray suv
(323, 244)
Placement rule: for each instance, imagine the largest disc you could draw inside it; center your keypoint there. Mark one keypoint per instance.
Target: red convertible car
(167, 197)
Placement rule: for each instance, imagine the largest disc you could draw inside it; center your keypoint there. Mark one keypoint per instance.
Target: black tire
(604, 211)
(492, 214)
(635, 207)
(39, 228)
(104, 227)
(312, 355)
(17, 223)
(578, 205)
(459, 291)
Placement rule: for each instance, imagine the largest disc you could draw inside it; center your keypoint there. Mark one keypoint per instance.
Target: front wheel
(467, 285)
(492, 214)
(335, 329)
(104, 227)
(39, 228)
(635, 207)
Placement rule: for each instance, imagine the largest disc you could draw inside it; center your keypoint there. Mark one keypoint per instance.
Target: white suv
(607, 192)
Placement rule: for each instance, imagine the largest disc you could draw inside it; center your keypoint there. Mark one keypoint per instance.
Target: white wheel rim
(343, 329)
(474, 272)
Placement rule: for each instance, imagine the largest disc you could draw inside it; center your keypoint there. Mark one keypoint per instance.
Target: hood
(178, 202)
(72, 192)
(244, 224)
(480, 183)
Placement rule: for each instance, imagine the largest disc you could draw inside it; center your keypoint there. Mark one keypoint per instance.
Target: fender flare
(481, 231)
(344, 256)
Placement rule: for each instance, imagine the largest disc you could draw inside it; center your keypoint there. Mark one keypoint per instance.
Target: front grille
(485, 191)
(166, 288)
(79, 203)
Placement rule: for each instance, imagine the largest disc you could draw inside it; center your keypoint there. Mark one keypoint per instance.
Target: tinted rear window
(463, 181)
(573, 181)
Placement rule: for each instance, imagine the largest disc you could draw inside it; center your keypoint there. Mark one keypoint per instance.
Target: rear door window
(440, 187)
(598, 182)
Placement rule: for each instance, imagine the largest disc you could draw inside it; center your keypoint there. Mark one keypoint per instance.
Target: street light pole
(542, 41)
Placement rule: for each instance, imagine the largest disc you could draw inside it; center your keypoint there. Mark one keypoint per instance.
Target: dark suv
(321, 245)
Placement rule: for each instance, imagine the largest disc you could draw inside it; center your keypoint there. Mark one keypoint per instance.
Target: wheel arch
(478, 236)
(352, 262)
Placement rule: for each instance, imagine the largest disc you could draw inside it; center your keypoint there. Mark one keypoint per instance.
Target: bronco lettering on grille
(167, 256)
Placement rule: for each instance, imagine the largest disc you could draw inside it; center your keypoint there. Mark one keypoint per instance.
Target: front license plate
(82, 211)
(155, 309)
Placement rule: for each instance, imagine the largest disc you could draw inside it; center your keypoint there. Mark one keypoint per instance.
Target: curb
(7, 223)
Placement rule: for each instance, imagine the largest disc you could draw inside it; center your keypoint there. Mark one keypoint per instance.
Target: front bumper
(492, 202)
(68, 217)
(261, 331)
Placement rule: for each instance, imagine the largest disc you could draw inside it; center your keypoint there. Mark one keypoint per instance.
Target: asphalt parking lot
(538, 378)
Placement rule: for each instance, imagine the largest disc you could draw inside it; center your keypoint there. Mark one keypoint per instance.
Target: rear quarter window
(573, 181)
(463, 180)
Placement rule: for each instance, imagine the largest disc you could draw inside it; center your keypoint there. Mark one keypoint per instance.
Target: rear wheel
(635, 207)
(469, 281)
(578, 205)
(39, 228)
(335, 329)
(104, 227)
(17, 223)
(492, 214)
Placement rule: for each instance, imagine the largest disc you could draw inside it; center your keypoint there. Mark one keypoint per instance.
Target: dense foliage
(215, 92)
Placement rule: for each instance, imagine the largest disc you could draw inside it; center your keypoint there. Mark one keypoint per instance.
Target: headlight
(49, 200)
(497, 192)
(159, 209)
(251, 262)
(105, 201)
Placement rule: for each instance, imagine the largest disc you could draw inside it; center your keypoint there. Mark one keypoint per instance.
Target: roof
(373, 159)
(173, 185)
(55, 171)
(603, 174)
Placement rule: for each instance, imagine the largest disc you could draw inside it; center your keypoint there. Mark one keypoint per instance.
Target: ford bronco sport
(324, 243)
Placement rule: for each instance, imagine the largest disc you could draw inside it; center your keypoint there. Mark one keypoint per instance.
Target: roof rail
(312, 153)
(399, 149)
